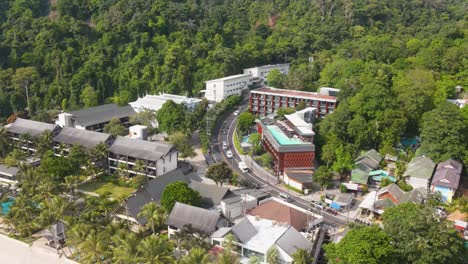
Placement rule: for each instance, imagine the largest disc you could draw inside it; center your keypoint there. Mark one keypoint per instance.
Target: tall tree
(155, 250)
(179, 192)
(245, 121)
(170, 117)
(89, 96)
(322, 176)
(444, 133)
(23, 79)
(362, 245)
(154, 215)
(182, 143)
(301, 256)
(219, 173)
(419, 237)
(115, 128)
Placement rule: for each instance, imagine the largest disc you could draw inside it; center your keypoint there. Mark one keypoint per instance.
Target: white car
(229, 154)
(236, 113)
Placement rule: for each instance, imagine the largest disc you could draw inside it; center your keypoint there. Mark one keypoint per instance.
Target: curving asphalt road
(224, 132)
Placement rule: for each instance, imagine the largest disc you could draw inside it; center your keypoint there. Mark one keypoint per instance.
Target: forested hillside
(65, 54)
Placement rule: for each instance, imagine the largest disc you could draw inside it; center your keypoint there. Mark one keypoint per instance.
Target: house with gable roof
(255, 236)
(419, 172)
(447, 179)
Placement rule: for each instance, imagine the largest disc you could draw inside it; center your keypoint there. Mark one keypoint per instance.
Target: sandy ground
(16, 252)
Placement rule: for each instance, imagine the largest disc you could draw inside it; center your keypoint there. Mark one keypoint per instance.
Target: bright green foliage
(219, 173)
(171, 117)
(115, 128)
(197, 256)
(362, 245)
(275, 79)
(282, 111)
(89, 97)
(179, 192)
(245, 121)
(444, 133)
(154, 215)
(182, 144)
(254, 140)
(266, 159)
(301, 105)
(272, 255)
(301, 256)
(419, 237)
(322, 176)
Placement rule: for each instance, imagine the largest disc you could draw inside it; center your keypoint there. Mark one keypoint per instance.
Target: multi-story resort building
(260, 73)
(95, 118)
(24, 132)
(290, 141)
(155, 102)
(8, 173)
(69, 136)
(219, 89)
(267, 100)
(158, 158)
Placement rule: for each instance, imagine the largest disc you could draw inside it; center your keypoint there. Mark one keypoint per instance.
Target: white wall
(217, 90)
(169, 163)
(418, 182)
(292, 183)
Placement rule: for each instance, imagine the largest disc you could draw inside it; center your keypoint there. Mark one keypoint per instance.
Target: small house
(419, 172)
(447, 179)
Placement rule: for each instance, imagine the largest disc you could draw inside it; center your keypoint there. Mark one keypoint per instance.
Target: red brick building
(265, 101)
(291, 146)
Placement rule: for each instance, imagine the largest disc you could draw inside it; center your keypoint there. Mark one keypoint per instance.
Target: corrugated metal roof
(448, 174)
(101, 114)
(139, 149)
(292, 240)
(200, 219)
(420, 167)
(244, 230)
(30, 127)
(85, 138)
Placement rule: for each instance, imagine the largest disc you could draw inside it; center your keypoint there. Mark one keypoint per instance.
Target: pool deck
(282, 138)
(13, 251)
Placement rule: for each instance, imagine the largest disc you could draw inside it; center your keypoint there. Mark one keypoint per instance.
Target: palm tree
(228, 257)
(70, 184)
(197, 256)
(122, 170)
(124, 248)
(155, 250)
(154, 215)
(301, 256)
(24, 140)
(44, 143)
(4, 141)
(99, 154)
(95, 248)
(77, 235)
(272, 255)
(139, 167)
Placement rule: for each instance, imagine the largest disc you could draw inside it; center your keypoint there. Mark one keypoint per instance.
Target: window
(164, 169)
(170, 157)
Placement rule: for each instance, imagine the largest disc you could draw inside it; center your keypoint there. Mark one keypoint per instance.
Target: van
(225, 146)
(243, 167)
(285, 197)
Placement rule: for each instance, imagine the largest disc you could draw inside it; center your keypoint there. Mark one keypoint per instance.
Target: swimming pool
(245, 139)
(282, 138)
(6, 205)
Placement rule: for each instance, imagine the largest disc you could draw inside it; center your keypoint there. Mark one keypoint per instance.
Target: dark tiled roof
(101, 114)
(244, 230)
(152, 191)
(30, 127)
(300, 176)
(292, 240)
(448, 174)
(139, 149)
(85, 138)
(211, 194)
(200, 219)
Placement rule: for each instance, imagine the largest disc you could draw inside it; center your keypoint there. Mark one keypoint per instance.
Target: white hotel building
(262, 72)
(219, 89)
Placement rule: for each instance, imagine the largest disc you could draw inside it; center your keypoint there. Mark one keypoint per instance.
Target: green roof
(359, 176)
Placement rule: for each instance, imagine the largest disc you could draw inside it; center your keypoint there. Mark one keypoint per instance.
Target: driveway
(13, 251)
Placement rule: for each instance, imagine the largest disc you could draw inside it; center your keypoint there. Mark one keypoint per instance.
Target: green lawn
(104, 185)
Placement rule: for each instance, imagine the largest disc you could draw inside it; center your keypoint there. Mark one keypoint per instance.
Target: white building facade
(263, 71)
(219, 89)
(155, 102)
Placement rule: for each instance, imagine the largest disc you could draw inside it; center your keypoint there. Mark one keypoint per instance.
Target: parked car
(285, 197)
(316, 204)
(237, 112)
(229, 154)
